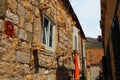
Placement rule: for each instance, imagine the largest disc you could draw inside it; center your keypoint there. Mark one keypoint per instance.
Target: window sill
(49, 49)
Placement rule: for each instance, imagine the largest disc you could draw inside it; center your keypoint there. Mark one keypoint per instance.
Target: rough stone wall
(94, 71)
(17, 60)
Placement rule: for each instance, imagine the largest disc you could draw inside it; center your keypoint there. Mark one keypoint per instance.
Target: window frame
(46, 44)
(75, 35)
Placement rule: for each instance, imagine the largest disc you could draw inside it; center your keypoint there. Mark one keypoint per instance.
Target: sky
(88, 13)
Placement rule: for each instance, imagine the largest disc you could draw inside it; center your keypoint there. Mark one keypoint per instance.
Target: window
(75, 38)
(47, 30)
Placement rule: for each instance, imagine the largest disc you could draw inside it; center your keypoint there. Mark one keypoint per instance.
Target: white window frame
(75, 34)
(48, 34)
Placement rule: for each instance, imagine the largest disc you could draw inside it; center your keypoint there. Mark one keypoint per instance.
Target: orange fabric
(76, 74)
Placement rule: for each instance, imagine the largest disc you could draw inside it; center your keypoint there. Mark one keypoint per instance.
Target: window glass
(47, 32)
(51, 35)
(75, 38)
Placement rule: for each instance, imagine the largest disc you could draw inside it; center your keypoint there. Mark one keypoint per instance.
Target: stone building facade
(37, 39)
(110, 26)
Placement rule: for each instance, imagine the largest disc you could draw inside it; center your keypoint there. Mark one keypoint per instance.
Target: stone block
(44, 6)
(22, 34)
(35, 39)
(26, 69)
(37, 12)
(9, 56)
(3, 66)
(27, 5)
(2, 8)
(24, 45)
(21, 10)
(59, 51)
(61, 39)
(22, 57)
(19, 1)
(28, 27)
(1, 24)
(29, 16)
(16, 30)
(29, 37)
(17, 78)
(4, 78)
(42, 60)
(12, 5)
(29, 77)
(37, 24)
(15, 69)
(21, 22)
(33, 2)
(11, 16)
(2, 50)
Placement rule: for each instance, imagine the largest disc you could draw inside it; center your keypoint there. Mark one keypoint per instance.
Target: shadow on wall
(62, 72)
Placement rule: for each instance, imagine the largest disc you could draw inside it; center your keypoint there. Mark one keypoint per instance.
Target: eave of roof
(70, 10)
